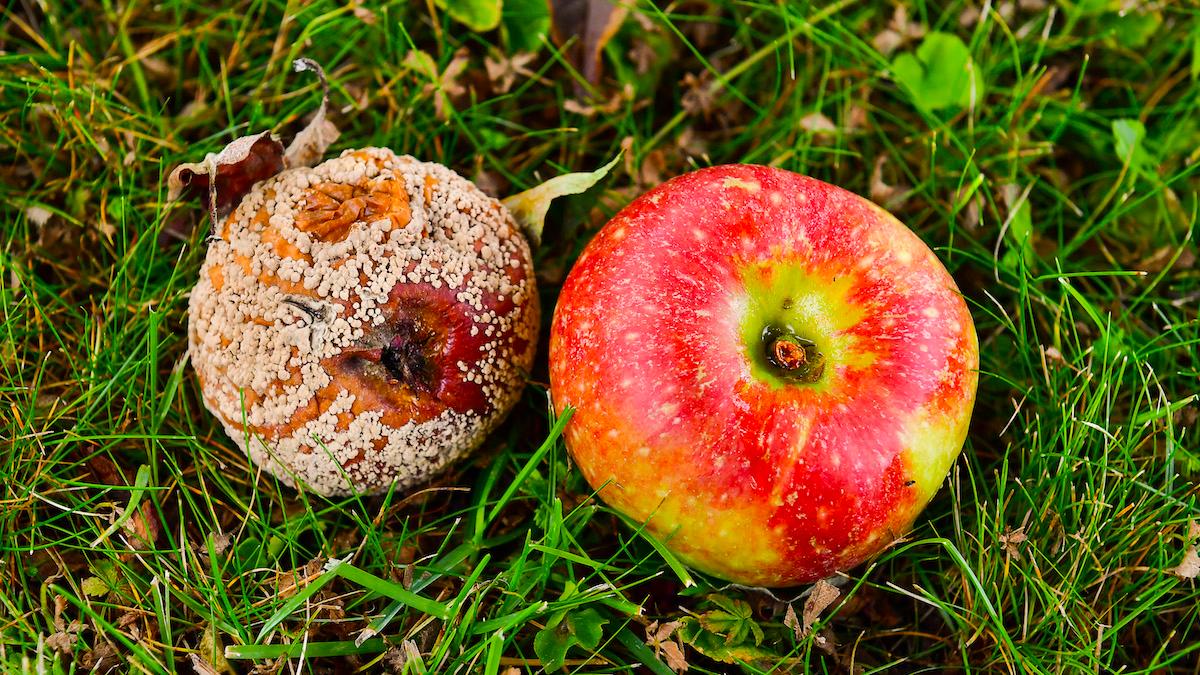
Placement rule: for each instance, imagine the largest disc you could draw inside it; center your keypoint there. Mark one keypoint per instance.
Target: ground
(1047, 152)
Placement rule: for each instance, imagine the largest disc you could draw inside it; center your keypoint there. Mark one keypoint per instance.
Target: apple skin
(662, 341)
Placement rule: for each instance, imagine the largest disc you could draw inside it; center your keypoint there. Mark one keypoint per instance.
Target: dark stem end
(794, 358)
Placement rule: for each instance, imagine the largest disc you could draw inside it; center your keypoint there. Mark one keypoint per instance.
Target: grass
(1062, 194)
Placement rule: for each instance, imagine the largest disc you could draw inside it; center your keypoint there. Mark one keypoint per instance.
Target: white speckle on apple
(747, 185)
(931, 312)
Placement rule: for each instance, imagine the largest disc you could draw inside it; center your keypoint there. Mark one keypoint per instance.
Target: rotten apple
(363, 323)
(772, 373)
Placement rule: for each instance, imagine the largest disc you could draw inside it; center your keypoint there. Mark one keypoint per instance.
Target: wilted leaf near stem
(529, 207)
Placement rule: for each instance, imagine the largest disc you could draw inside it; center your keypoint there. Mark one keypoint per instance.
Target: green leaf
(734, 620)
(529, 207)
(586, 625)
(579, 627)
(94, 586)
(1093, 7)
(722, 649)
(1133, 29)
(526, 24)
(478, 15)
(1020, 227)
(941, 74)
(1127, 136)
(1196, 51)
(551, 644)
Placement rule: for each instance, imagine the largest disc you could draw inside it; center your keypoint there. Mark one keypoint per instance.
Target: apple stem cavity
(794, 358)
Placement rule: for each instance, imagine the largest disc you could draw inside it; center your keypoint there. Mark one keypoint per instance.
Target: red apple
(771, 372)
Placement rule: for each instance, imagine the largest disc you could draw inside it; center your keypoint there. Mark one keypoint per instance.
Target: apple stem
(797, 358)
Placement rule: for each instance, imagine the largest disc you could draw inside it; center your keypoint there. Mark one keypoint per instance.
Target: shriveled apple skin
(681, 422)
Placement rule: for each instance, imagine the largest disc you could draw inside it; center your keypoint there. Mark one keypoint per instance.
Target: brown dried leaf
(899, 31)
(822, 595)
(887, 196)
(1190, 567)
(659, 637)
(674, 655)
(307, 148)
(699, 96)
(503, 70)
(790, 620)
(62, 642)
(817, 123)
(101, 658)
(364, 14)
(202, 667)
(1011, 540)
(236, 168)
(592, 23)
(444, 87)
(642, 55)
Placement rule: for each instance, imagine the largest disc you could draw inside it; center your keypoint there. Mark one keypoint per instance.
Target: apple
(364, 323)
(772, 373)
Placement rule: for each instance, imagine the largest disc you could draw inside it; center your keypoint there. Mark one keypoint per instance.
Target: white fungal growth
(306, 282)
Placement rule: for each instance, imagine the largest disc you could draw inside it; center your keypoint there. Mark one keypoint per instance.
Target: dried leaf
(503, 70)
(101, 658)
(1190, 567)
(674, 655)
(699, 97)
(62, 642)
(899, 31)
(236, 168)
(643, 56)
(887, 196)
(822, 595)
(442, 86)
(1011, 540)
(143, 527)
(364, 14)
(202, 667)
(609, 107)
(592, 23)
(817, 124)
(790, 620)
(529, 207)
(309, 146)
(659, 637)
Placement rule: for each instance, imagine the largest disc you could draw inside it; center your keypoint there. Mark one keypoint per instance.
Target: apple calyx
(794, 358)
(406, 358)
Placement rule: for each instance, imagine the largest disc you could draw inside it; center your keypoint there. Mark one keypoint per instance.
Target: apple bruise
(363, 323)
(747, 475)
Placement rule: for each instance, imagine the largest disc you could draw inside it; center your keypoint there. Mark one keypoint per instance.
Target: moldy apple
(772, 372)
(363, 323)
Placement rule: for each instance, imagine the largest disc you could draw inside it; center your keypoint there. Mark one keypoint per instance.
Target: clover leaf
(940, 75)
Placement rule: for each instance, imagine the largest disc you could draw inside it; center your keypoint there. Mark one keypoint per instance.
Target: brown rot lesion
(793, 357)
(330, 209)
